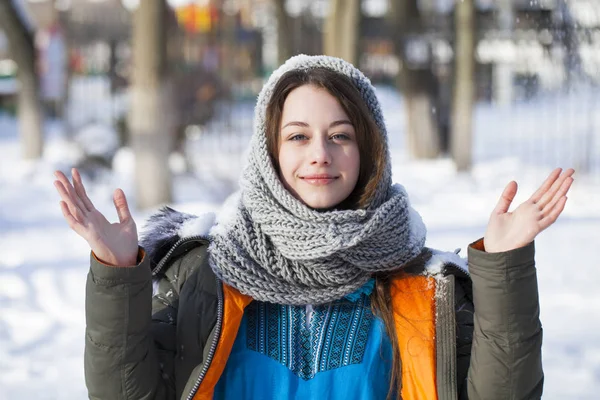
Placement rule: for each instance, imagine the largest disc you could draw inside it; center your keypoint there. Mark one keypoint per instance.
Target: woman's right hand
(114, 244)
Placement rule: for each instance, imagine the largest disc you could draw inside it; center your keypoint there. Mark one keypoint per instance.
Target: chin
(322, 203)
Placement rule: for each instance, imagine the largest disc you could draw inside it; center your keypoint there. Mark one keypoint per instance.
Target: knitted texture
(276, 249)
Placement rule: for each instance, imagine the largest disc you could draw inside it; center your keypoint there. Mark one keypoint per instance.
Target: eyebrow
(305, 125)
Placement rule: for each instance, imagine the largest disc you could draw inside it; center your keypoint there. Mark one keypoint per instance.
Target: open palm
(510, 230)
(113, 243)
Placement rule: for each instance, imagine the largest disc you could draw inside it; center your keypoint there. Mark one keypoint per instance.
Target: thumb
(121, 205)
(506, 199)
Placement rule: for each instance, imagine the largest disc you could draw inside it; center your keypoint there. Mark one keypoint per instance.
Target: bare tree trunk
(342, 29)
(21, 44)
(227, 28)
(418, 86)
(464, 87)
(58, 104)
(63, 18)
(284, 32)
(150, 124)
(419, 103)
(502, 73)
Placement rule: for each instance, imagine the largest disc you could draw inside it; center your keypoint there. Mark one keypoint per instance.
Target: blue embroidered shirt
(334, 351)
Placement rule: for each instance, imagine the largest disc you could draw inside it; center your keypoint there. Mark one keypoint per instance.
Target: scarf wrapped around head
(278, 250)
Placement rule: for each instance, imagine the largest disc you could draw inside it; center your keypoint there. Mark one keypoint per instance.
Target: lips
(319, 179)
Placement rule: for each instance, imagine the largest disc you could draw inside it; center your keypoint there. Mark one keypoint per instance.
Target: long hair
(370, 145)
(372, 163)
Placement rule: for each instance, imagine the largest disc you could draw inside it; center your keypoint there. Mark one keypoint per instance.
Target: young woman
(318, 286)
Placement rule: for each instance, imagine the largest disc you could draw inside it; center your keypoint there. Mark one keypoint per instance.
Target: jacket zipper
(445, 340)
(164, 260)
(458, 270)
(215, 342)
(220, 300)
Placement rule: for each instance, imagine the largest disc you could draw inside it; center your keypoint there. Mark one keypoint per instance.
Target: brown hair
(372, 164)
(381, 303)
(370, 143)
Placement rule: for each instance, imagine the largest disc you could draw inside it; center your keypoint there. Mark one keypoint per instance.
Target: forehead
(310, 103)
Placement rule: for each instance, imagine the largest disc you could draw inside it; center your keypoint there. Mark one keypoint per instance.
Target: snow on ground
(43, 264)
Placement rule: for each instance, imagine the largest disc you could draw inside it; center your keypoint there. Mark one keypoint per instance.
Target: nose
(320, 152)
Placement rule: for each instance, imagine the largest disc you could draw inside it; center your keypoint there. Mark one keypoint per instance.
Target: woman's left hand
(511, 230)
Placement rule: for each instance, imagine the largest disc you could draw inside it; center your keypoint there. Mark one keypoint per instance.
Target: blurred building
(523, 46)
(546, 44)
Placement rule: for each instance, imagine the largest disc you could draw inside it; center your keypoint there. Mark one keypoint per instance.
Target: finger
(555, 213)
(561, 192)
(66, 197)
(546, 185)
(554, 189)
(71, 220)
(506, 198)
(80, 189)
(70, 190)
(121, 205)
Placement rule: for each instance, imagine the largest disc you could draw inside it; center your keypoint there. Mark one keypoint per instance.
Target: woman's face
(318, 154)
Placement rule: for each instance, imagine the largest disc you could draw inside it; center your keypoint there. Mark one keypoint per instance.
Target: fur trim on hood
(167, 227)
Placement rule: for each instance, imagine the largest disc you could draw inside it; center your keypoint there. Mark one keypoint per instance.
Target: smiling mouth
(319, 180)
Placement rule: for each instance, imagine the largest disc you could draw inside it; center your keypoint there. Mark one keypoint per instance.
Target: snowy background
(43, 265)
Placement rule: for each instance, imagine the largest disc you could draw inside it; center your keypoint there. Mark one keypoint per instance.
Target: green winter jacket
(145, 346)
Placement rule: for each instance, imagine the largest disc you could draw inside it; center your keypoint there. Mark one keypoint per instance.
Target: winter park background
(43, 264)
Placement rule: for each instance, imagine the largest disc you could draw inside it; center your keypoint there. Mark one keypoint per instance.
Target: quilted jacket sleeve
(128, 351)
(506, 359)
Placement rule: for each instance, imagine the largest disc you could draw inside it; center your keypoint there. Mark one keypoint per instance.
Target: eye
(297, 136)
(340, 136)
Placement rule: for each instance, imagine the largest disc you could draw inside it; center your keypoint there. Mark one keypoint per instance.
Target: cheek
(286, 162)
(353, 162)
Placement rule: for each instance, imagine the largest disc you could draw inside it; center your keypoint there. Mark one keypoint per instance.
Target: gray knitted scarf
(276, 249)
